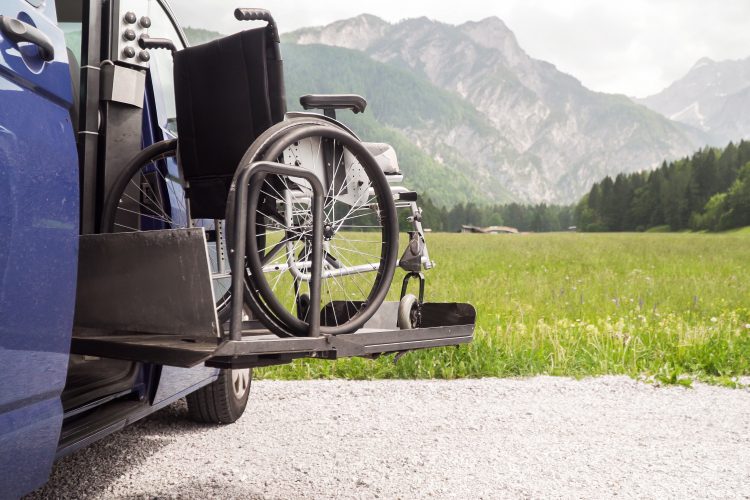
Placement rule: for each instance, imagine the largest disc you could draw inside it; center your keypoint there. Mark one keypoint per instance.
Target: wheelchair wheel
(360, 235)
(149, 194)
(257, 152)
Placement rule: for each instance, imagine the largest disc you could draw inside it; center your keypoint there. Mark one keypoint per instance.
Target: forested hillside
(707, 191)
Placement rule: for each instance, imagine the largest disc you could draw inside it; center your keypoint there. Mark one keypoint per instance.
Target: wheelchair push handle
(147, 43)
(259, 15)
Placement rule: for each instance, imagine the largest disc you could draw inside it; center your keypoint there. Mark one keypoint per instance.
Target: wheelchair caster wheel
(409, 312)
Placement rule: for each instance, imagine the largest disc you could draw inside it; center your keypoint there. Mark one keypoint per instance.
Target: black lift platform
(147, 296)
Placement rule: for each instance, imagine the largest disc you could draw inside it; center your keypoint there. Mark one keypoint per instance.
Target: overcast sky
(634, 47)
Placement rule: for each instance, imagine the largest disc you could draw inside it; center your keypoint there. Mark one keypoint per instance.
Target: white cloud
(634, 47)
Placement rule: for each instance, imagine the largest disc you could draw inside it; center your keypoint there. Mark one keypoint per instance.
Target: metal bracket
(411, 260)
(123, 85)
(418, 320)
(405, 285)
(248, 174)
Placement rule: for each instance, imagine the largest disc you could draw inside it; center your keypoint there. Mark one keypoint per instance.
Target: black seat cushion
(227, 93)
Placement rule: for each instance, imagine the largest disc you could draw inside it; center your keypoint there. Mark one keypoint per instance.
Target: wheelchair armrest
(356, 103)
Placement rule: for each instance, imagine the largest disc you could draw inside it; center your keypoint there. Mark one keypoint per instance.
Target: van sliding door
(38, 247)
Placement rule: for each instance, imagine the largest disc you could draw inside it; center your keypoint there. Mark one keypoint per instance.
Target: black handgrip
(354, 102)
(259, 15)
(147, 42)
(19, 31)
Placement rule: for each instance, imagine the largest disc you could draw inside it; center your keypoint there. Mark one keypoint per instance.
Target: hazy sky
(634, 47)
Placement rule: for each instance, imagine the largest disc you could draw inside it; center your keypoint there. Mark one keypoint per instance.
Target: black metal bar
(273, 345)
(238, 254)
(416, 344)
(248, 174)
(391, 337)
(88, 120)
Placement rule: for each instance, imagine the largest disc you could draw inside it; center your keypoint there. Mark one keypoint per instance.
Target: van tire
(221, 402)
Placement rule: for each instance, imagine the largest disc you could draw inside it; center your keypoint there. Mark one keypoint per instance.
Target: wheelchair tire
(144, 179)
(260, 295)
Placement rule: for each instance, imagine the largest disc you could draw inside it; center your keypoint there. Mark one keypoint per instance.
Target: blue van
(91, 336)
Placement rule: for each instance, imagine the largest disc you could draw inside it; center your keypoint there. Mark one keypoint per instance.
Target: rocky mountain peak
(713, 96)
(355, 33)
(490, 29)
(702, 62)
(370, 19)
(493, 33)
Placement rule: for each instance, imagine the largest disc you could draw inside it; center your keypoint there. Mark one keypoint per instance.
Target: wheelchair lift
(147, 296)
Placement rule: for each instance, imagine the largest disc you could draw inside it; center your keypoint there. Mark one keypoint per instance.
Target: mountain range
(713, 96)
(472, 116)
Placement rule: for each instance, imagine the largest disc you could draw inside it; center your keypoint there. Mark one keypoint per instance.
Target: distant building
(489, 230)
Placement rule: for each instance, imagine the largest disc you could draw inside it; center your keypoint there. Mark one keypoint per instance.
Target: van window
(73, 35)
(70, 21)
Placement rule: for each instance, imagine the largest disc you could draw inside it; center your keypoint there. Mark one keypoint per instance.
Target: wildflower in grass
(747, 326)
(713, 319)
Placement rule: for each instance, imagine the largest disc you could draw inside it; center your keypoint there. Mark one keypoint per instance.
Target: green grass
(671, 307)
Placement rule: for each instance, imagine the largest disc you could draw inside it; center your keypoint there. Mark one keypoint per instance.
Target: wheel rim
(360, 231)
(240, 382)
(154, 198)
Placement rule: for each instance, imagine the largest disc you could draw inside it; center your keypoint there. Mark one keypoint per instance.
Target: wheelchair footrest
(446, 324)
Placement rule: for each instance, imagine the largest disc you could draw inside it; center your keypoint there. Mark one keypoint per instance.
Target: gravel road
(491, 438)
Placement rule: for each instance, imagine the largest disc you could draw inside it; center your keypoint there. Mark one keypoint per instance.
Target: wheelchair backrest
(227, 93)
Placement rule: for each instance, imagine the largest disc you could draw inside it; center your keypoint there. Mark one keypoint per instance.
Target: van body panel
(39, 223)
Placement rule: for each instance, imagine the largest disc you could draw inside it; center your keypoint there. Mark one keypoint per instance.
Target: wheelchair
(311, 208)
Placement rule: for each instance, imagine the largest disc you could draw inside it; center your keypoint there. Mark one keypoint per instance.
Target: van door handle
(19, 31)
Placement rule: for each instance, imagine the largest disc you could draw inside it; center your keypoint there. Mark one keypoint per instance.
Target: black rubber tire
(406, 314)
(217, 402)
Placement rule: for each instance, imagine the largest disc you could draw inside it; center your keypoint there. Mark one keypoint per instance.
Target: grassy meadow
(665, 306)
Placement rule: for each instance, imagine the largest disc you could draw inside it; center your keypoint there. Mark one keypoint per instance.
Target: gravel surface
(491, 438)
